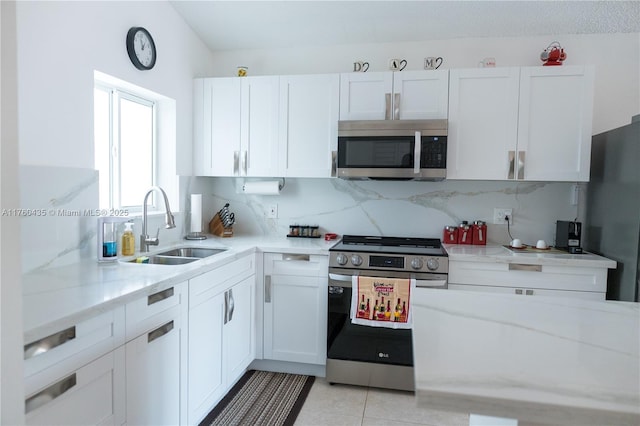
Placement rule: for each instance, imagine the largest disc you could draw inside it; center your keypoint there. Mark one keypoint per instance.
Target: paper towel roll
(196, 213)
(271, 187)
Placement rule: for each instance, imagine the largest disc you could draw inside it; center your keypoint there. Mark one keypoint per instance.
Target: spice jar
(314, 231)
(294, 230)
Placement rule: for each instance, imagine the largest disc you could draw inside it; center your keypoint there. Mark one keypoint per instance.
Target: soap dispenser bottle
(108, 238)
(128, 240)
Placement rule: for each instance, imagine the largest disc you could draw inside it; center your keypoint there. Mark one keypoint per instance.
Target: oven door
(351, 342)
(413, 156)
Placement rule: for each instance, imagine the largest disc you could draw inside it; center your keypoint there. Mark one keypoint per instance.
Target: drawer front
(307, 265)
(522, 291)
(529, 276)
(75, 345)
(84, 397)
(230, 273)
(146, 313)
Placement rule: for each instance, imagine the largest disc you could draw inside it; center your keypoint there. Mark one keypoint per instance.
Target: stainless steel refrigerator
(613, 207)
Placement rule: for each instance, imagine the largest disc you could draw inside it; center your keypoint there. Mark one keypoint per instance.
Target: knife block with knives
(222, 223)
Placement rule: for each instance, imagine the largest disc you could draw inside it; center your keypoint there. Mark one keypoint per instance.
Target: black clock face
(141, 48)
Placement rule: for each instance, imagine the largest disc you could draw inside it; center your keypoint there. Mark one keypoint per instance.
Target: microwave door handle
(417, 151)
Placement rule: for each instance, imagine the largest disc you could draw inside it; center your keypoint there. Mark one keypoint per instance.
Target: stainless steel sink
(198, 252)
(179, 256)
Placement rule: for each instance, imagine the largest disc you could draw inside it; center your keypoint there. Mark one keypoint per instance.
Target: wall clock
(141, 48)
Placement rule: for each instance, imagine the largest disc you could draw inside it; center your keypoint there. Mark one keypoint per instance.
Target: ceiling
(239, 24)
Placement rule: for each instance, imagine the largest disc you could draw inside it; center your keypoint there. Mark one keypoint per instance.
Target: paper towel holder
(248, 187)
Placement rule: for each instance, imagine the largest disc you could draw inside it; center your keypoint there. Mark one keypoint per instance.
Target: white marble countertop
(56, 298)
(536, 359)
(502, 254)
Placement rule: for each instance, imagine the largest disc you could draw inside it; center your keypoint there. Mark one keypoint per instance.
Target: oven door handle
(338, 277)
(417, 152)
(431, 284)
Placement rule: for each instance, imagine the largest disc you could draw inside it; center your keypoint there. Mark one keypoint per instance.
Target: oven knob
(432, 264)
(416, 263)
(341, 259)
(356, 260)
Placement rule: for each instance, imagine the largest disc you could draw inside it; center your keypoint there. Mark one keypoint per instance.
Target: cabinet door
(205, 378)
(554, 132)
(309, 106)
(420, 95)
(295, 317)
(239, 329)
(91, 395)
(483, 123)
(259, 128)
(365, 95)
(153, 376)
(217, 152)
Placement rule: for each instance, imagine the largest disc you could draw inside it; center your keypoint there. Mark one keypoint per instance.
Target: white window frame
(116, 94)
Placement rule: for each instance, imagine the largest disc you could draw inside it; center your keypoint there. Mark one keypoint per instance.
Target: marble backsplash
(58, 217)
(392, 208)
(63, 234)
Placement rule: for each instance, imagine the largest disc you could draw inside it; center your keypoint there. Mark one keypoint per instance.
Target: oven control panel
(408, 263)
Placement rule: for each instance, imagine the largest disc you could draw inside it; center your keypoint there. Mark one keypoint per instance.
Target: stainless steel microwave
(392, 149)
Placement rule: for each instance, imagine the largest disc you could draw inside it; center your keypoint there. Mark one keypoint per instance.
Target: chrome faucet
(145, 240)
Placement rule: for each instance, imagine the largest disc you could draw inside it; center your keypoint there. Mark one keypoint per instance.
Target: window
(125, 146)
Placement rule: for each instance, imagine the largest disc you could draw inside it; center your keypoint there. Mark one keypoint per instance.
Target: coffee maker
(568, 236)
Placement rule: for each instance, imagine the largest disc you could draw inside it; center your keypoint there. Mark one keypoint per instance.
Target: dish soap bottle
(128, 240)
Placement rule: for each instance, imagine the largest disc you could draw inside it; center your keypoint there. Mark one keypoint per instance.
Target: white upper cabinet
(483, 122)
(531, 124)
(309, 109)
(259, 126)
(403, 95)
(554, 124)
(267, 126)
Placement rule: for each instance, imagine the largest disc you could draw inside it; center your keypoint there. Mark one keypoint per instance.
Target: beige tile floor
(346, 405)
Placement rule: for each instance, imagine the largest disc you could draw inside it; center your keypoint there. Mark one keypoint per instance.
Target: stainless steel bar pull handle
(512, 165)
(159, 296)
(245, 161)
(524, 267)
(528, 292)
(521, 164)
(226, 307)
(49, 394)
(396, 106)
(417, 152)
(334, 163)
(47, 343)
(159, 332)
(387, 108)
(267, 289)
(236, 163)
(231, 305)
(303, 257)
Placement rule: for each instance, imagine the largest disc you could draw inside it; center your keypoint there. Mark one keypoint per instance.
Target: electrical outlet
(500, 214)
(272, 211)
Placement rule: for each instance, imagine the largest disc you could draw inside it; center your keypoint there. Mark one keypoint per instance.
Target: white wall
(60, 44)
(11, 372)
(616, 58)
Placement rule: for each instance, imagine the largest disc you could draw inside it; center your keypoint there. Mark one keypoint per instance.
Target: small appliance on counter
(568, 236)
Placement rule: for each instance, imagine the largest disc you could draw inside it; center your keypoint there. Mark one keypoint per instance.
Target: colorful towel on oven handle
(391, 287)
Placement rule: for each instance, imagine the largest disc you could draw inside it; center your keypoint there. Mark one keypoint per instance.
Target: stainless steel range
(374, 356)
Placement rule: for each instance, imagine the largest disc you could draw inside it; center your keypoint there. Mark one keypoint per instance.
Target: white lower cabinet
(91, 395)
(153, 376)
(295, 307)
(153, 357)
(221, 333)
(529, 280)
